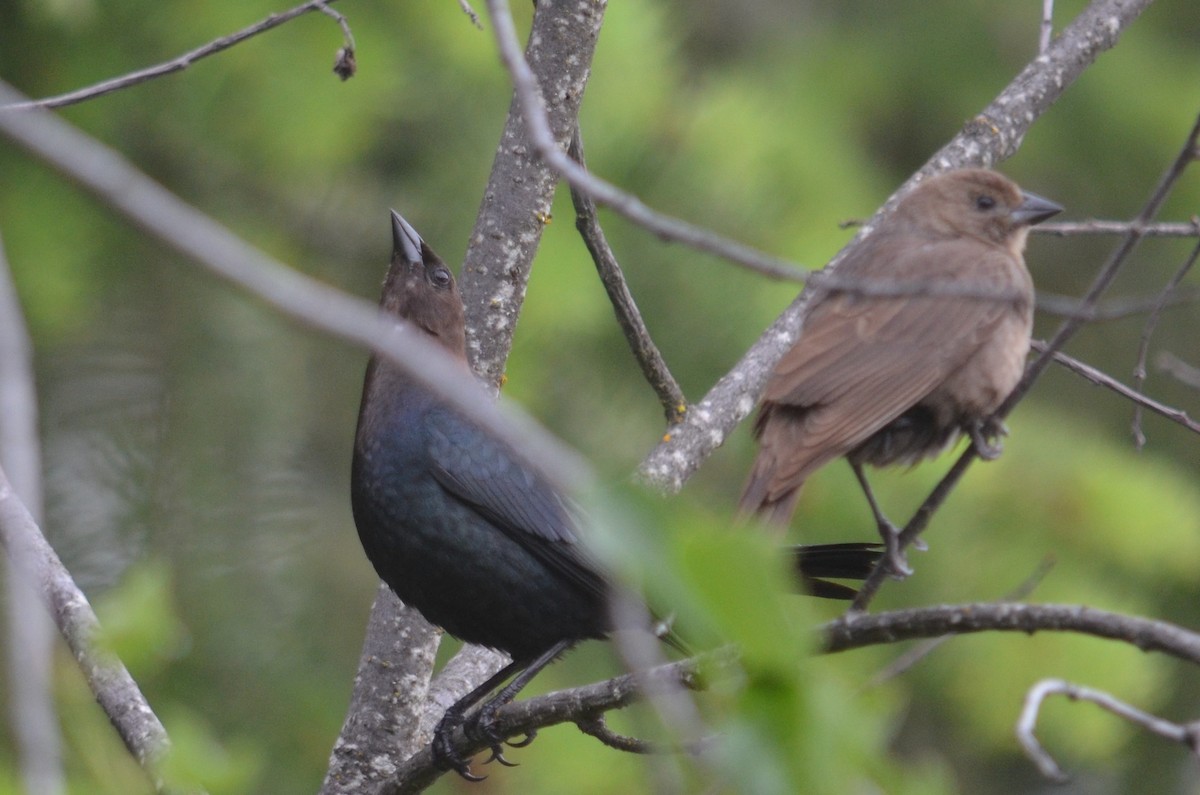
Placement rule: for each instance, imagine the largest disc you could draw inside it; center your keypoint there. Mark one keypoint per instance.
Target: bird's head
(420, 288)
(978, 203)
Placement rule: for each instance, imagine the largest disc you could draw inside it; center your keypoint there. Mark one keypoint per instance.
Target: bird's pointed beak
(405, 240)
(1034, 209)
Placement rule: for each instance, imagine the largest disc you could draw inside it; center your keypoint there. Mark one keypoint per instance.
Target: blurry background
(197, 445)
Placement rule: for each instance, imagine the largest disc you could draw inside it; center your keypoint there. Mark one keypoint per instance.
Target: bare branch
(856, 630)
(1102, 379)
(115, 690)
(1139, 369)
(991, 137)
(465, 5)
(30, 630)
(850, 632)
(563, 706)
(389, 693)
(1186, 734)
(1180, 370)
(1094, 227)
(11, 103)
(1116, 309)
(629, 318)
(596, 726)
(1047, 27)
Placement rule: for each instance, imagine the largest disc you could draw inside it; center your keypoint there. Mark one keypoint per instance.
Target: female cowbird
(893, 379)
(462, 530)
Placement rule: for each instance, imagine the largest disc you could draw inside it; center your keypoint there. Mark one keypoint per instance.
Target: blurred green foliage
(197, 445)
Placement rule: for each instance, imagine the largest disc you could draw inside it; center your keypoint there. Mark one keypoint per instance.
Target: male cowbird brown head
(892, 379)
(420, 288)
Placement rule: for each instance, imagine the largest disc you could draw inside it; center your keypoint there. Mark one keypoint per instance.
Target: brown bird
(888, 380)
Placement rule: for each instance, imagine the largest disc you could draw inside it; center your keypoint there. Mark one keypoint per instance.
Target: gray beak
(405, 240)
(1033, 209)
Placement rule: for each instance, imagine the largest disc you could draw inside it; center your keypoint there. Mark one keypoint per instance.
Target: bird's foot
(481, 728)
(986, 435)
(444, 755)
(894, 559)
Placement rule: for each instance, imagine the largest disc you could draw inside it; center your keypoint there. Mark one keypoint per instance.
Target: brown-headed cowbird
(893, 379)
(462, 530)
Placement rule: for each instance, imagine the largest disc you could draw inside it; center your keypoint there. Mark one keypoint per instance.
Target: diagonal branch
(180, 63)
(30, 650)
(629, 318)
(1108, 382)
(993, 136)
(108, 678)
(1139, 369)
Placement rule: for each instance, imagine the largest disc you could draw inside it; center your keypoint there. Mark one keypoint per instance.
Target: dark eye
(440, 277)
(984, 202)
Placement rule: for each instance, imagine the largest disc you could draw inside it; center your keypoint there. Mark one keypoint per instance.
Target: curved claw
(986, 436)
(530, 736)
(498, 756)
(444, 755)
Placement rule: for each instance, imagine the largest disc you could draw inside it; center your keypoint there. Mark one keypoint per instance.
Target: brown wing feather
(861, 362)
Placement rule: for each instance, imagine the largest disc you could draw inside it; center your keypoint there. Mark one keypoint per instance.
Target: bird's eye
(440, 277)
(984, 202)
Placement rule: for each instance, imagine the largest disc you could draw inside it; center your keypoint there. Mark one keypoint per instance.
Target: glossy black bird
(463, 531)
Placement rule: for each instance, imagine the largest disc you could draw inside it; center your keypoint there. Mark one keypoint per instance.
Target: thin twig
(176, 64)
(629, 318)
(1139, 369)
(1033, 371)
(1116, 309)
(595, 725)
(1108, 382)
(345, 64)
(1187, 734)
(1095, 227)
(1047, 27)
(465, 5)
(1178, 369)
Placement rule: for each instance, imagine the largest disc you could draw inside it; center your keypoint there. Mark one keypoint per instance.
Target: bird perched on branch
(467, 533)
(919, 336)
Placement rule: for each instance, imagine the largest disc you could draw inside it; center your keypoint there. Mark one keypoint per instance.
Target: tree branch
(30, 630)
(1108, 382)
(993, 136)
(389, 693)
(180, 63)
(629, 318)
(1139, 369)
(115, 690)
(1095, 227)
(1186, 734)
(520, 189)
(849, 632)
